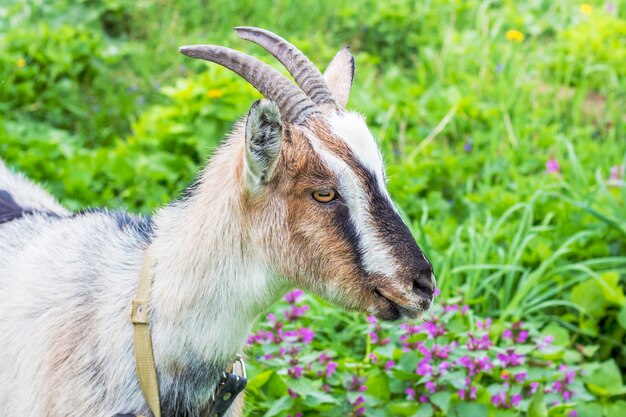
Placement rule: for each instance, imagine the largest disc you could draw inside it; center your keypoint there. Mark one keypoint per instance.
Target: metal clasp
(239, 359)
(139, 311)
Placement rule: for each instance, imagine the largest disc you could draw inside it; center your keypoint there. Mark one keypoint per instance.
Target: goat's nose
(424, 285)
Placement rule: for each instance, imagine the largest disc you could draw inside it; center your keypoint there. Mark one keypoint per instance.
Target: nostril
(423, 287)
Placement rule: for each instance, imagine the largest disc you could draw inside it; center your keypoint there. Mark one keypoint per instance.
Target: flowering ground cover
(502, 127)
(453, 364)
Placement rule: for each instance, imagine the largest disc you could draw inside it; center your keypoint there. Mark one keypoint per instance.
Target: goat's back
(66, 281)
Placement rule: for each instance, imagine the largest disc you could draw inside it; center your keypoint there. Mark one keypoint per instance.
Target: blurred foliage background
(501, 123)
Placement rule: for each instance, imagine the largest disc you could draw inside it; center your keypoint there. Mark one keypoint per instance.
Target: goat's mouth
(391, 310)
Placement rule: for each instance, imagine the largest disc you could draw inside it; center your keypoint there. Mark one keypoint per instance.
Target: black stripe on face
(344, 223)
(392, 229)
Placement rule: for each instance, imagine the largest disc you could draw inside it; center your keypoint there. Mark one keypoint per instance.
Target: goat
(295, 196)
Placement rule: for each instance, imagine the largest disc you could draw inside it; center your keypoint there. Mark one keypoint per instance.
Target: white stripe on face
(377, 258)
(351, 127)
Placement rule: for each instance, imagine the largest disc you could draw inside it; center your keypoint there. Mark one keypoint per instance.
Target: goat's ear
(263, 142)
(339, 75)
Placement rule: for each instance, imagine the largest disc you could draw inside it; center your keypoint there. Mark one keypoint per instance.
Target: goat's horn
(295, 107)
(308, 77)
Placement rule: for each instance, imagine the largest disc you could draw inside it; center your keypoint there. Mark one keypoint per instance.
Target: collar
(227, 390)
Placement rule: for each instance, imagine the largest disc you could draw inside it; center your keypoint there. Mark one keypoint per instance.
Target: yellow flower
(21, 63)
(215, 93)
(586, 9)
(514, 36)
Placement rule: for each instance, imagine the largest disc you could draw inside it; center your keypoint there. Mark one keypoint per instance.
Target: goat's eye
(324, 196)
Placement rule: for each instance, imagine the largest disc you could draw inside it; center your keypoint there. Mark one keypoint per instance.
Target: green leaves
(606, 380)
(441, 400)
(537, 406)
(278, 406)
(464, 409)
(96, 103)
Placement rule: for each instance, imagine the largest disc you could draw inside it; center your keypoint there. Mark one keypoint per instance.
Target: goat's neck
(209, 284)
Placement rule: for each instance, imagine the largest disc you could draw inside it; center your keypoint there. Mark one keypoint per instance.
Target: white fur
(351, 127)
(69, 282)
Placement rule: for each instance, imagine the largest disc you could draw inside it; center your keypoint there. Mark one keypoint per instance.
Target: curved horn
(295, 107)
(308, 77)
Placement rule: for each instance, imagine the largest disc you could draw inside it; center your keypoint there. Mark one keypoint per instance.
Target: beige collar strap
(227, 389)
(142, 340)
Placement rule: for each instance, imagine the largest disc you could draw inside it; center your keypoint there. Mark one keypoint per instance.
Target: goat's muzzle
(398, 299)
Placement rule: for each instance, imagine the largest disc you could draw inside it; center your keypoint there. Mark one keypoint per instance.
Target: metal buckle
(139, 311)
(239, 359)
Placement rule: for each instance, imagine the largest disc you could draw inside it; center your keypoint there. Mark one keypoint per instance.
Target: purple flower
(572, 413)
(324, 358)
(433, 329)
(389, 365)
(295, 372)
(306, 335)
(295, 312)
(499, 68)
(467, 146)
(290, 336)
(499, 400)
(443, 368)
(424, 367)
(516, 334)
(372, 321)
(520, 377)
(533, 387)
(410, 393)
(294, 296)
(292, 393)
(424, 398)
(331, 369)
(484, 343)
(469, 392)
(510, 358)
(552, 166)
(356, 384)
(431, 386)
(543, 343)
(475, 365)
(449, 308)
(484, 325)
(522, 336)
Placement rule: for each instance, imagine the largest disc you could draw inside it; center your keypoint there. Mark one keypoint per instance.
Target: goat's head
(314, 185)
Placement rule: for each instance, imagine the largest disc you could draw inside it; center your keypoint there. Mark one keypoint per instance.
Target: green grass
(96, 102)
